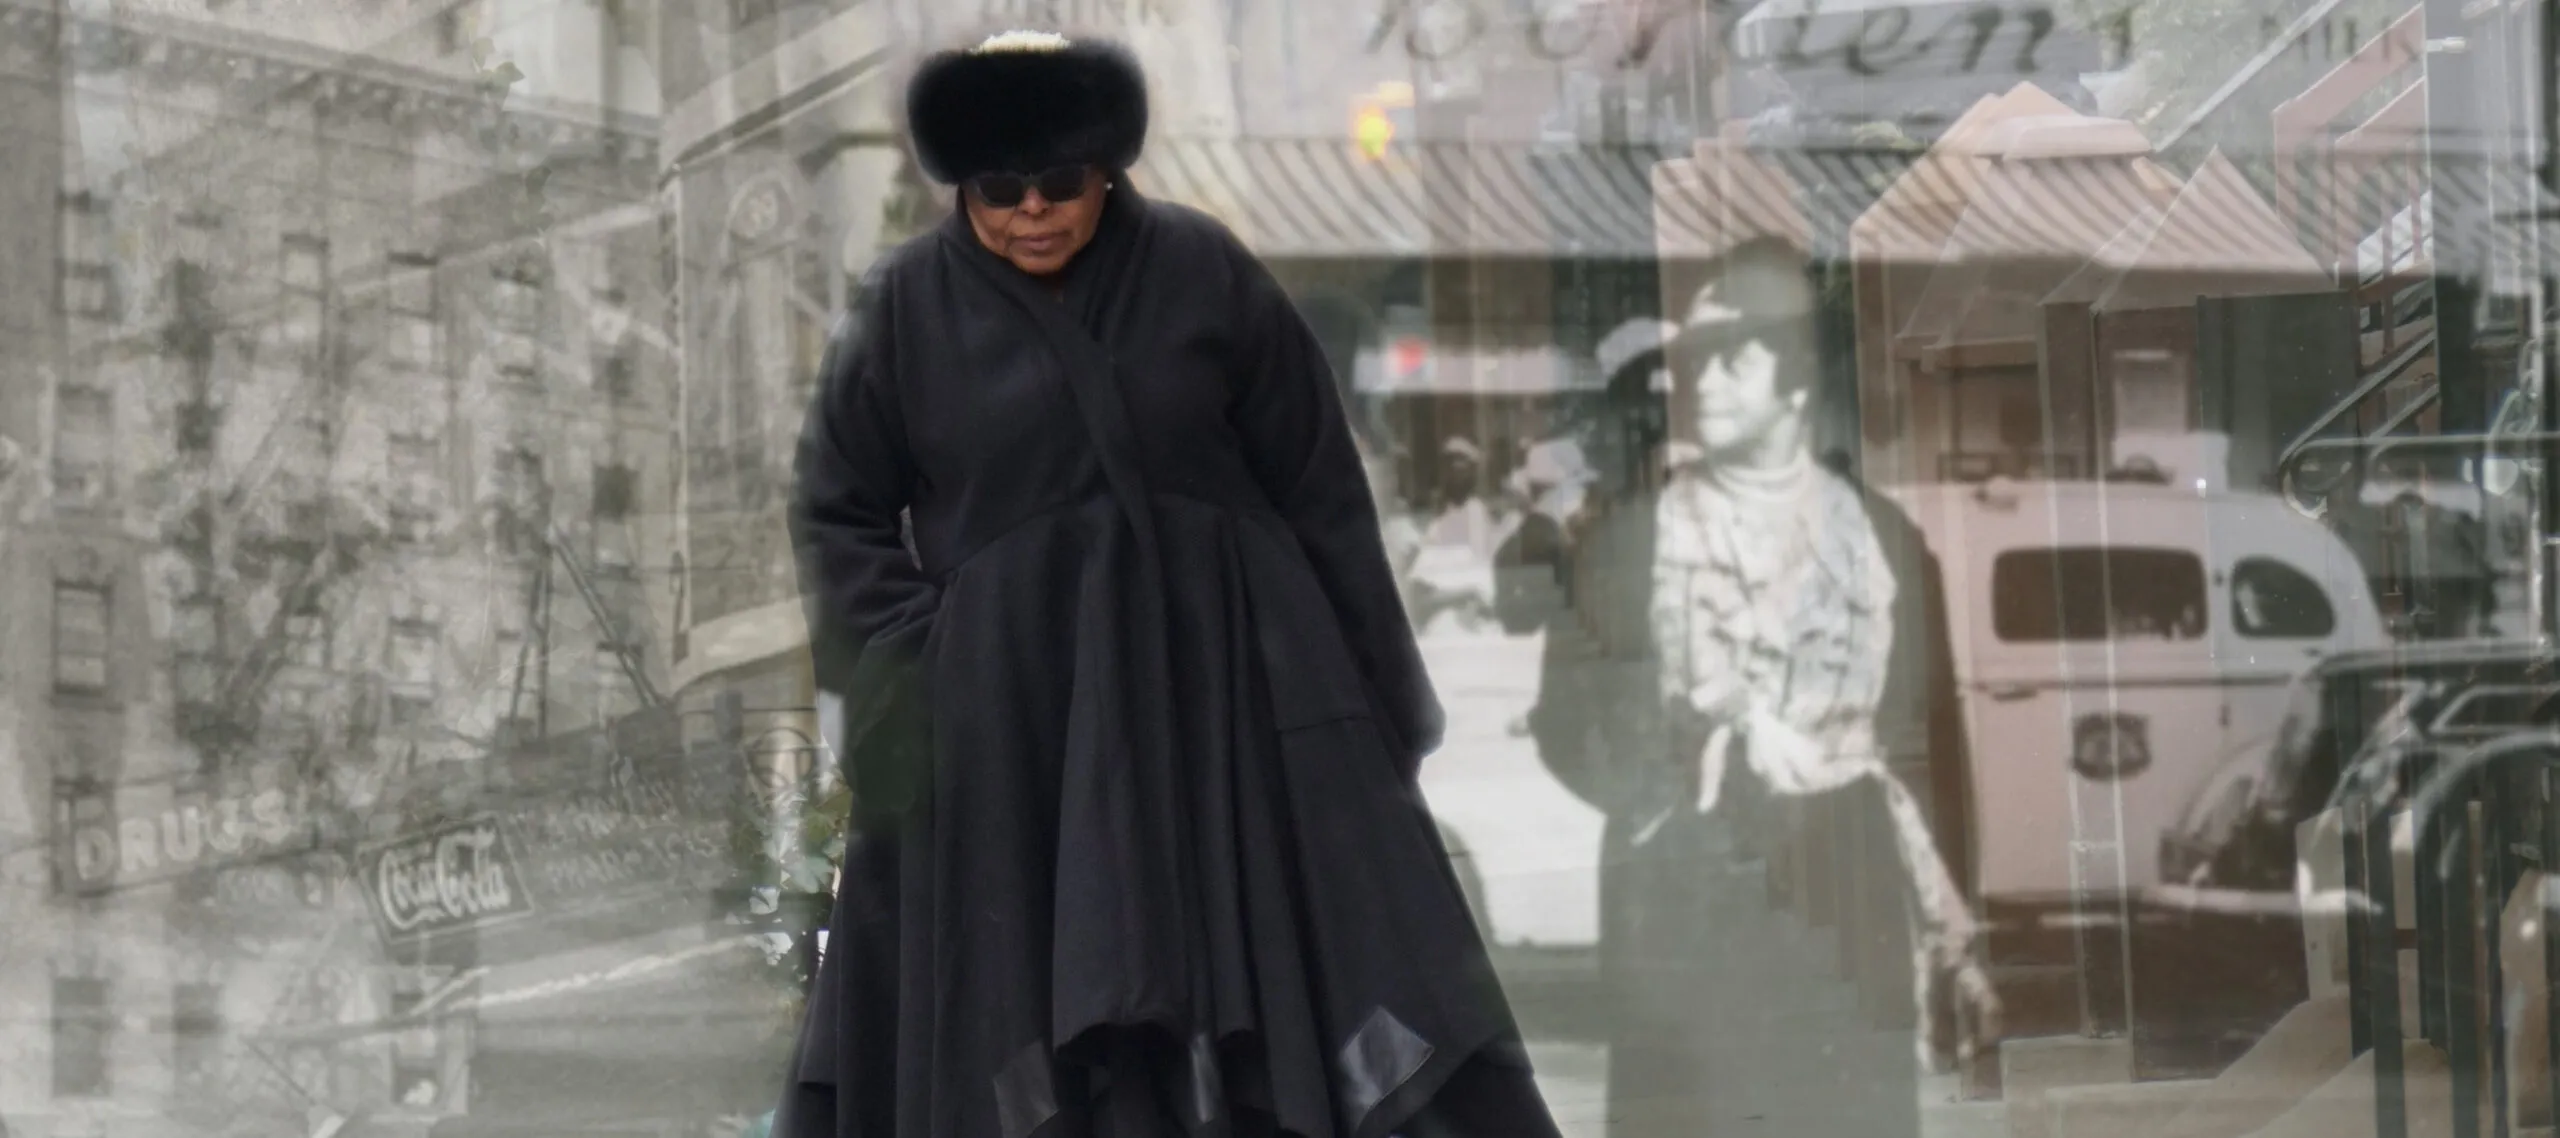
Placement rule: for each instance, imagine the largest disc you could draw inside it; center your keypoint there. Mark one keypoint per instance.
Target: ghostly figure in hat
(1772, 597)
(1698, 577)
(1774, 604)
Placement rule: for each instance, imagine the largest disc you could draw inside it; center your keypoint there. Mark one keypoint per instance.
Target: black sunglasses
(1005, 191)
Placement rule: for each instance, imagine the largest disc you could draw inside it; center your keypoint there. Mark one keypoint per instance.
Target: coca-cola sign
(598, 853)
(455, 878)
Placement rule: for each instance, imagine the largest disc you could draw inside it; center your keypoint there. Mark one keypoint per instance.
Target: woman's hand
(1722, 701)
(1963, 1011)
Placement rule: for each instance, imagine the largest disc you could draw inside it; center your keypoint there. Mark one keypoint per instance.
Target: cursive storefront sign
(448, 880)
(1438, 31)
(102, 848)
(1858, 39)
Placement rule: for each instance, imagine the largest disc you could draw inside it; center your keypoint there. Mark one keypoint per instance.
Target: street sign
(117, 840)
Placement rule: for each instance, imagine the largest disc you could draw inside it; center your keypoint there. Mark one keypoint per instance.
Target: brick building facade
(349, 343)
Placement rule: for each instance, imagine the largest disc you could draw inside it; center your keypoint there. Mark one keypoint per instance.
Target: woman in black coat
(1133, 708)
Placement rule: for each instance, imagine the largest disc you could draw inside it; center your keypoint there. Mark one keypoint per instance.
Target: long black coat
(1133, 728)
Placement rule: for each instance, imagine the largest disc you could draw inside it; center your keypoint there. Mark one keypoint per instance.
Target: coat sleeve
(1289, 416)
(870, 606)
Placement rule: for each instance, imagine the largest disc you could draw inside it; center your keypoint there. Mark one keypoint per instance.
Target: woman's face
(1742, 400)
(1038, 235)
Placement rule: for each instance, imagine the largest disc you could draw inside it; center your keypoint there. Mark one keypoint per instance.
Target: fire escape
(2407, 168)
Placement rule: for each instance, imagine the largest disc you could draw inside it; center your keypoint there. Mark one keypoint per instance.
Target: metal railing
(2297, 474)
(2373, 384)
(2480, 820)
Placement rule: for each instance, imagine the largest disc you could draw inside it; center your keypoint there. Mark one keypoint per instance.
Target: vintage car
(2354, 727)
(2112, 642)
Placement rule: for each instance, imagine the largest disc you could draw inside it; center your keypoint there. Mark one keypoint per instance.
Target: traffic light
(1378, 117)
(1371, 131)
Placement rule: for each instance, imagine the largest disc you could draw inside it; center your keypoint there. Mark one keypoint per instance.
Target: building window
(89, 290)
(317, 420)
(307, 639)
(305, 263)
(408, 709)
(199, 422)
(519, 358)
(83, 441)
(507, 624)
(515, 298)
(517, 730)
(88, 270)
(514, 532)
(617, 373)
(410, 328)
(415, 465)
(409, 339)
(413, 283)
(195, 632)
(517, 499)
(82, 1027)
(413, 525)
(195, 628)
(197, 680)
(306, 520)
(617, 492)
(80, 638)
(456, 26)
(292, 716)
(195, 1030)
(300, 320)
(515, 476)
(613, 545)
(412, 652)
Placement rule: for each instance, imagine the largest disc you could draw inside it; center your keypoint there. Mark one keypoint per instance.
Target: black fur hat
(1022, 102)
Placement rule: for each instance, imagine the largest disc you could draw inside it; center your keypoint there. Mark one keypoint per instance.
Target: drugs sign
(460, 877)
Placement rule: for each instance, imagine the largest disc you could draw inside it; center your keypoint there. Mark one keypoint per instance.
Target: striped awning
(1318, 198)
(1725, 192)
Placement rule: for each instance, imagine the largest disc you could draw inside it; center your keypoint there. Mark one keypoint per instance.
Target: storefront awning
(1473, 371)
(1727, 191)
(1912, 219)
(1319, 198)
(2218, 238)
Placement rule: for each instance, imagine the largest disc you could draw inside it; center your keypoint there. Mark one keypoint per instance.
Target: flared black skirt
(1265, 939)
